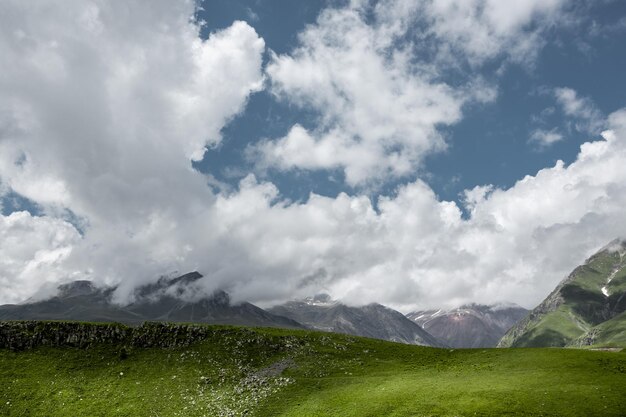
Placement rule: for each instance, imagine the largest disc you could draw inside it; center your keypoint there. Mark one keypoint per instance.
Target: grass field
(270, 372)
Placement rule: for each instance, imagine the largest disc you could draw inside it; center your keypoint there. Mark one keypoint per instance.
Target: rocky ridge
(471, 325)
(373, 320)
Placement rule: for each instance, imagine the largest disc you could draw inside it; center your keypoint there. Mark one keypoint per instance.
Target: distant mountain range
(471, 325)
(587, 308)
(81, 300)
(161, 301)
(373, 320)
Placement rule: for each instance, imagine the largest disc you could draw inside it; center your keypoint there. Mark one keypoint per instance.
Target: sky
(415, 153)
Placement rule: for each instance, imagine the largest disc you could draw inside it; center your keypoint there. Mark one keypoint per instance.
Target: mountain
(161, 301)
(471, 325)
(164, 300)
(78, 300)
(586, 308)
(373, 320)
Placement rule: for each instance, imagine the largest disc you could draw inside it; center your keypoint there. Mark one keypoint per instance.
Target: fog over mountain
(340, 155)
(161, 301)
(174, 299)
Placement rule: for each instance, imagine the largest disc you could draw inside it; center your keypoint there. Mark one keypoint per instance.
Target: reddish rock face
(469, 326)
(374, 320)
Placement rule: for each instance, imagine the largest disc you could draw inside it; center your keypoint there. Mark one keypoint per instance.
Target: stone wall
(21, 335)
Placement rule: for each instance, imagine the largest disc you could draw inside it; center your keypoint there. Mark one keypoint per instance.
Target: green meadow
(270, 372)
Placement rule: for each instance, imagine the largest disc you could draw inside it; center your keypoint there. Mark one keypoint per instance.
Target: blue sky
(413, 153)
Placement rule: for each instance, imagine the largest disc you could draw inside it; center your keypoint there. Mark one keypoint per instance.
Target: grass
(555, 329)
(273, 372)
(611, 333)
(585, 311)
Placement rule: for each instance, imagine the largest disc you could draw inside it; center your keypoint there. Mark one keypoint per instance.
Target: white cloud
(375, 75)
(252, 16)
(587, 117)
(484, 29)
(32, 250)
(113, 95)
(102, 106)
(607, 30)
(379, 109)
(418, 251)
(545, 138)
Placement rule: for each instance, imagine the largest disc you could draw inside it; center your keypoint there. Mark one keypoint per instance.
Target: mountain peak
(586, 307)
(321, 312)
(76, 288)
(320, 299)
(470, 325)
(616, 245)
(185, 279)
(166, 283)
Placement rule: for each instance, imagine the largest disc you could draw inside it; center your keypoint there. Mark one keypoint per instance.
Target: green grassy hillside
(226, 371)
(586, 308)
(611, 333)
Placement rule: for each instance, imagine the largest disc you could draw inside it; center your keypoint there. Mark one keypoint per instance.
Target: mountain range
(471, 325)
(81, 300)
(162, 301)
(372, 320)
(587, 308)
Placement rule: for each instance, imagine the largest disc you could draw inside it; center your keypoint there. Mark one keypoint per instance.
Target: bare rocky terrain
(471, 325)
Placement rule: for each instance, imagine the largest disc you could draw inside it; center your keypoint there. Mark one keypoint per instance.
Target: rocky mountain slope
(81, 300)
(586, 308)
(471, 325)
(373, 320)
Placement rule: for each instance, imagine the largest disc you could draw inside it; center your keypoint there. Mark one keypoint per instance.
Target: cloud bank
(103, 105)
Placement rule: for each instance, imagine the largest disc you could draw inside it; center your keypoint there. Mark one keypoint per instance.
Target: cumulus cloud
(416, 250)
(102, 107)
(516, 245)
(104, 104)
(374, 73)
(378, 112)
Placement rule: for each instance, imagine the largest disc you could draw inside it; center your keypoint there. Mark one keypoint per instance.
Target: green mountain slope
(585, 309)
(78, 369)
(611, 333)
